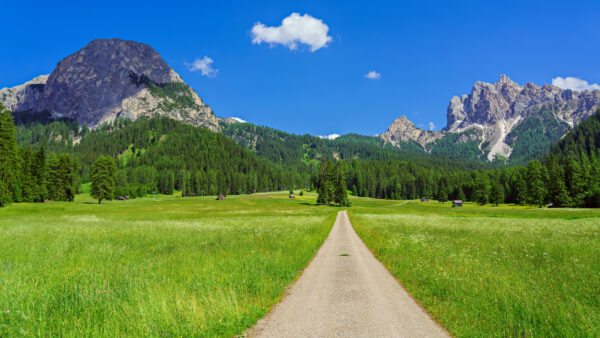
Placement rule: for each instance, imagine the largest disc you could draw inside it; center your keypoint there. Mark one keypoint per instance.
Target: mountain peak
(403, 130)
(111, 78)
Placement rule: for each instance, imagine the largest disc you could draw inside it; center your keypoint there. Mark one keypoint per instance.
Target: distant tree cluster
(27, 176)
(331, 185)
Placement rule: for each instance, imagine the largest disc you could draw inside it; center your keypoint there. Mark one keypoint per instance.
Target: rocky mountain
(110, 78)
(503, 119)
(402, 130)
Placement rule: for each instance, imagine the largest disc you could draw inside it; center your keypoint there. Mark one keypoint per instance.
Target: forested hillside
(568, 177)
(300, 151)
(162, 154)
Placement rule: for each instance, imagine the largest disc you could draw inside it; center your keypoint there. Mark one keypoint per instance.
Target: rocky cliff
(504, 112)
(402, 130)
(111, 78)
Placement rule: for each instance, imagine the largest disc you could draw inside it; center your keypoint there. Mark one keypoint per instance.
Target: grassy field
(152, 267)
(492, 271)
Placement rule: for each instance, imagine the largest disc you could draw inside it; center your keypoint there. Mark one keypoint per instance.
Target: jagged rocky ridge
(492, 113)
(111, 78)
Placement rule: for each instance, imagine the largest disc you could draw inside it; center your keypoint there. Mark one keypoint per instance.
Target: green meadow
(168, 266)
(492, 271)
(172, 266)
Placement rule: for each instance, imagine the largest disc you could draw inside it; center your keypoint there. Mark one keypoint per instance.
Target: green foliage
(341, 194)
(533, 137)
(535, 178)
(8, 157)
(482, 188)
(491, 271)
(63, 178)
(103, 174)
(459, 145)
(497, 193)
(168, 267)
(177, 95)
(557, 191)
(5, 196)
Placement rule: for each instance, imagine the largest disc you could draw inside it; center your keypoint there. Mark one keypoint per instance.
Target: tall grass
(486, 271)
(164, 267)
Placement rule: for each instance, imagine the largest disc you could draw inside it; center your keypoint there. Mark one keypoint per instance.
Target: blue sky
(425, 52)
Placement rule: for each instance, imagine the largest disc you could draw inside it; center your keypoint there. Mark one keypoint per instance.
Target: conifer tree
(5, 197)
(460, 194)
(323, 183)
(442, 195)
(497, 193)
(8, 156)
(341, 194)
(557, 191)
(520, 190)
(536, 190)
(103, 178)
(39, 171)
(482, 189)
(27, 183)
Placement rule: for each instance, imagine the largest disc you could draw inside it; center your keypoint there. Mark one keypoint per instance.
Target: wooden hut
(457, 203)
(292, 196)
(424, 199)
(221, 197)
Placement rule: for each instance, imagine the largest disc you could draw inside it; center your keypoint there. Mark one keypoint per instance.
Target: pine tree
(482, 188)
(5, 197)
(442, 195)
(27, 183)
(39, 174)
(461, 194)
(535, 183)
(8, 156)
(497, 193)
(331, 182)
(103, 178)
(323, 183)
(557, 191)
(520, 190)
(341, 194)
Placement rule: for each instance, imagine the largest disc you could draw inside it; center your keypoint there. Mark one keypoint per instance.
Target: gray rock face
(487, 104)
(496, 109)
(110, 78)
(23, 97)
(402, 130)
(500, 107)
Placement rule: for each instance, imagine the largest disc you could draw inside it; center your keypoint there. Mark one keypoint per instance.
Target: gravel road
(346, 292)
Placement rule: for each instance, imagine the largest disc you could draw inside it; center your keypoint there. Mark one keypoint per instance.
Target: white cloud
(238, 119)
(373, 75)
(431, 126)
(329, 137)
(574, 83)
(294, 29)
(203, 65)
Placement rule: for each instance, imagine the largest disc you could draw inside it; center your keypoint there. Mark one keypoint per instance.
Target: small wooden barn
(424, 199)
(221, 197)
(457, 203)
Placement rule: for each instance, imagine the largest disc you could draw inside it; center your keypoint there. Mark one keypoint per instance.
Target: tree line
(568, 177)
(33, 176)
(331, 186)
(161, 154)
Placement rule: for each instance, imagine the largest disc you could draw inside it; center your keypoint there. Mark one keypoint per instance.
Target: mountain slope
(107, 79)
(503, 118)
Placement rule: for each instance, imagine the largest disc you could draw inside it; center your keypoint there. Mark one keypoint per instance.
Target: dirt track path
(346, 296)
